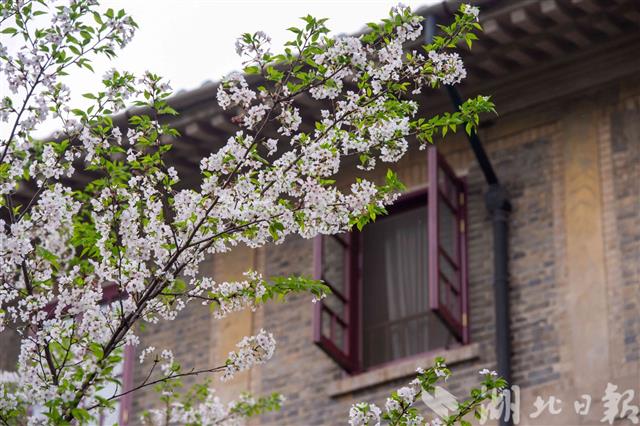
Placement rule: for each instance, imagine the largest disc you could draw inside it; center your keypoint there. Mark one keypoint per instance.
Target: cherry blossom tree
(131, 229)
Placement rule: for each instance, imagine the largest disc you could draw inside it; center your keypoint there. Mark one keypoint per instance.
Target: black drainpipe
(498, 204)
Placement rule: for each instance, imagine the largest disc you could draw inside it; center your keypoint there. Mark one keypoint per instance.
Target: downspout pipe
(499, 208)
(497, 202)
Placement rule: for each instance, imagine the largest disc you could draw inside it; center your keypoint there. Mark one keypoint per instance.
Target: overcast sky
(193, 41)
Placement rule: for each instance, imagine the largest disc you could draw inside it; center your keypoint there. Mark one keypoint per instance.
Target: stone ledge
(400, 369)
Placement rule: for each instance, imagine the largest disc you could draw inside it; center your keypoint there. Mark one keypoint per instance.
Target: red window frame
(111, 293)
(349, 357)
(442, 183)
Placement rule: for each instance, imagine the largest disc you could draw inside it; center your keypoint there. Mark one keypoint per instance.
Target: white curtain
(397, 321)
(405, 252)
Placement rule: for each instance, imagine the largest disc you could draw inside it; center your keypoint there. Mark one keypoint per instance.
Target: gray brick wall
(526, 170)
(303, 372)
(625, 147)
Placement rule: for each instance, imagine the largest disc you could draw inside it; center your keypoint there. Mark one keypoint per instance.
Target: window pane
(336, 305)
(447, 223)
(326, 324)
(334, 330)
(396, 314)
(443, 181)
(447, 187)
(340, 336)
(334, 315)
(454, 305)
(449, 272)
(443, 292)
(333, 263)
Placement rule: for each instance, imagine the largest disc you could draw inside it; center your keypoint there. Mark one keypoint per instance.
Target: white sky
(192, 41)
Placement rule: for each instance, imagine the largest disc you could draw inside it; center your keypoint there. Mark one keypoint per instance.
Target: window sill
(401, 369)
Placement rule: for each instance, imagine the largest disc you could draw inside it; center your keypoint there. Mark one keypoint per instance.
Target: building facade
(565, 146)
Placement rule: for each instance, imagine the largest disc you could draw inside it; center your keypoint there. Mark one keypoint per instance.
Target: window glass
(333, 262)
(334, 330)
(336, 305)
(447, 229)
(448, 271)
(340, 336)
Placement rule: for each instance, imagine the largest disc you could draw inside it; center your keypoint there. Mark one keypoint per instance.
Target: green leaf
(81, 415)
(97, 18)
(48, 256)
(274, 227)
(97, 350)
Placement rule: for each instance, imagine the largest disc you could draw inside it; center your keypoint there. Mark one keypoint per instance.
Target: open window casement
(448, 289)
(336, 317)
(399, 287)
